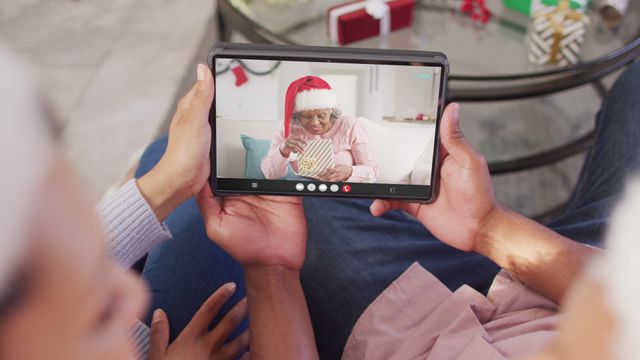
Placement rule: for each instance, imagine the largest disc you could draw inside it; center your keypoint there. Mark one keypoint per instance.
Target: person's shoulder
(348, 121)
(352, 128)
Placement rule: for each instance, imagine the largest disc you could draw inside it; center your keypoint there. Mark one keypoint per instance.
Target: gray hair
(335, 114)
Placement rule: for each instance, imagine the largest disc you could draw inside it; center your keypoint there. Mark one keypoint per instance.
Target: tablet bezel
(340, 55)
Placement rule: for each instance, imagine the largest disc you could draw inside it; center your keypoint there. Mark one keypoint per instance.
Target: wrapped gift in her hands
(360, 20)
(534, 7)
(316, 158)
(556, 35)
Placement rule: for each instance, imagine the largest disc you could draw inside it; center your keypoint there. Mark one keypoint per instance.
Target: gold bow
(562, 12)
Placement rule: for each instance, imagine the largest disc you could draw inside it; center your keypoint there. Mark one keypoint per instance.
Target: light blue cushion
(256, 151)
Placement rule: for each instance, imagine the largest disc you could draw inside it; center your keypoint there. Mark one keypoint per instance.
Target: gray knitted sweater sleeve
(133, 230)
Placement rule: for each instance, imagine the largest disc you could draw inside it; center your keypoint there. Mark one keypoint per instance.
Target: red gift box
(359, 24)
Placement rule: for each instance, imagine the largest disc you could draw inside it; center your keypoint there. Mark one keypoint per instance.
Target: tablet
(326, 121)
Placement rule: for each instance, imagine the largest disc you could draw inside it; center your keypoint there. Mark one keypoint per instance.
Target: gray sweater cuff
(140, 334)
(131, 225)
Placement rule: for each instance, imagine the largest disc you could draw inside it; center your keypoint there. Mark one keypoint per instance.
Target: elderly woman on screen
(311, 113)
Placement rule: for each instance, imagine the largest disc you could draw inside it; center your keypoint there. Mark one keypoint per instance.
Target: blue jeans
(184, 271)
(352, 257)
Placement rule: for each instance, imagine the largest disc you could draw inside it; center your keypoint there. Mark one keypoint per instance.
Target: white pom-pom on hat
(315, 99)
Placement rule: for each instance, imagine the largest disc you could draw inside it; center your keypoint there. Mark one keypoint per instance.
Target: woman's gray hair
(335, 114)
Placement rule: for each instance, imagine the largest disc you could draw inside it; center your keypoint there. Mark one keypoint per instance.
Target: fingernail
(200, 71)
(456, 110)
(157, 314)
(231, 287)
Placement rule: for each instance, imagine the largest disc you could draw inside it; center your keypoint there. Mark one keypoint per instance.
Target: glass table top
(499, 47)
(530, 125)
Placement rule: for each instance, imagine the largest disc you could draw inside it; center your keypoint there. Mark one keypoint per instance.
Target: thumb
(159, 335)
(211, 210)
(452, 138)
(204, 90)
(209, 204)
(379, 207)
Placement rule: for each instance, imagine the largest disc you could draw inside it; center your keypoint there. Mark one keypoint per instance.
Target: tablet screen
(329, 128)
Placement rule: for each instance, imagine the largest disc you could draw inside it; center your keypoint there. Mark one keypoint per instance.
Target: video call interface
(325, 128)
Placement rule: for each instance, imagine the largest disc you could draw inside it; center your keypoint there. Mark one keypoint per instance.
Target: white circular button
(299, 186)
(322, 187)
(311, 187)
(334, 188)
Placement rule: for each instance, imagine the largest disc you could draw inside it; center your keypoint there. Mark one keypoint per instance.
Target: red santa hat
(307, 93)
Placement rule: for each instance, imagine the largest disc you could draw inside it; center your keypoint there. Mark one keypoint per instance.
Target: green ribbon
(573, 4)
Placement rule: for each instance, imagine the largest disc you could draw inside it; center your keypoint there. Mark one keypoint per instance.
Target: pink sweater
(351, 146)
(417, 317)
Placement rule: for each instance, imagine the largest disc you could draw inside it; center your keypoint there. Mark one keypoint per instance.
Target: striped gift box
(317, 157)
(556, 35)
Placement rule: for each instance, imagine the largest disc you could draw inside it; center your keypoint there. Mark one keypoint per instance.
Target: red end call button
(346, 188)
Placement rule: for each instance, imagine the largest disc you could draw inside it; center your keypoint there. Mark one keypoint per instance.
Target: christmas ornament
(240, 74)
(477, 9)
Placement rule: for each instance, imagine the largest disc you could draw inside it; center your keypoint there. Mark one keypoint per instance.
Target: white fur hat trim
(315, 99)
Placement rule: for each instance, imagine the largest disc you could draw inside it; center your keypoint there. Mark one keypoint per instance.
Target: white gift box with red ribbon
(363, 19)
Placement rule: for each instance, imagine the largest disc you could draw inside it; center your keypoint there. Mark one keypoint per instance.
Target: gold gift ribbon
(564, 10)
(307, 164)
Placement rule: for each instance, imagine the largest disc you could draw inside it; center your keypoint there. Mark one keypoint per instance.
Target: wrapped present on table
(360, 20)
(556, 35)
(612, 11)
(533, 7)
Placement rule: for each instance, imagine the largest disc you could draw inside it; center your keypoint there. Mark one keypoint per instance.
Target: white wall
(380, 90)
(408, 94)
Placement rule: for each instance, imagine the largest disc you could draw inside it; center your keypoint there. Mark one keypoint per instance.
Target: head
(316, 122)
(61, 296)
(601, 313)
(310, 102)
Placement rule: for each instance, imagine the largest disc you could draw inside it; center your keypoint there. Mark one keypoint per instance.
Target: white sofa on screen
(404, 151)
